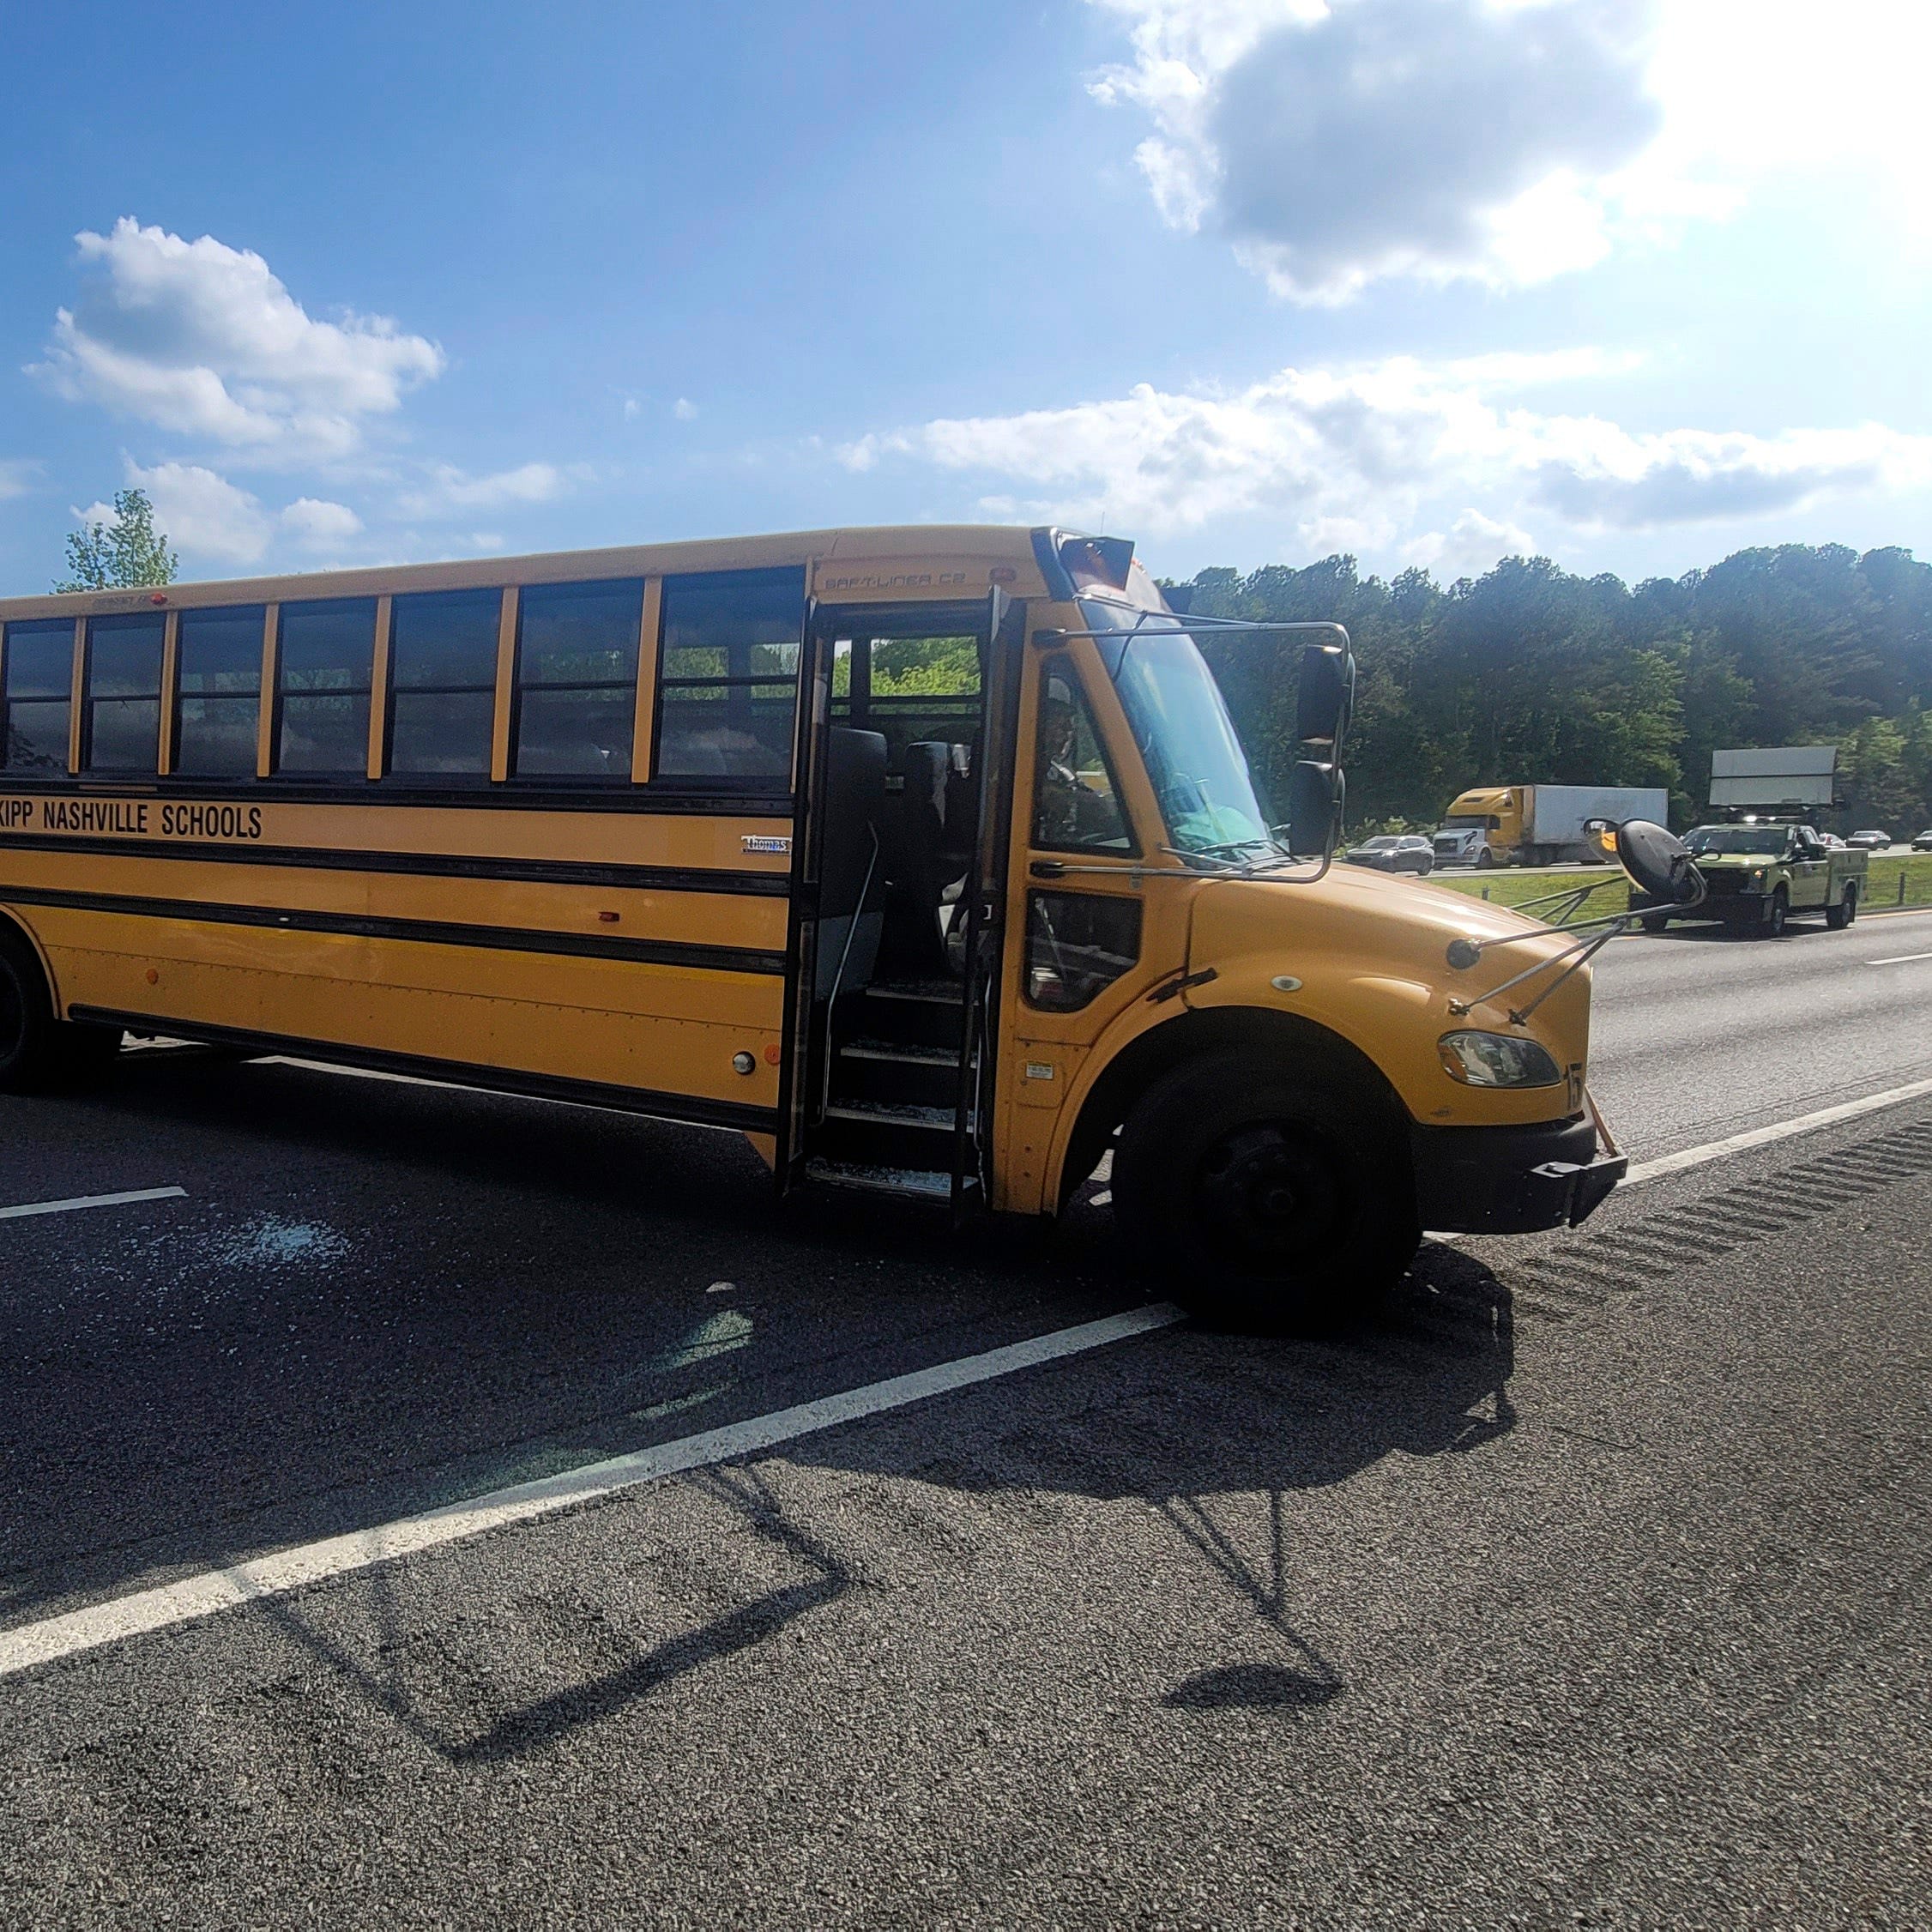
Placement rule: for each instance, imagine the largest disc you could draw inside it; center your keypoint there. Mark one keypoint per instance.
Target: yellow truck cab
(930, 859)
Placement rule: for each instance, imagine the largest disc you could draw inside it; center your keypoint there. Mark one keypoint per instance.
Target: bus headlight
(1496, 1059)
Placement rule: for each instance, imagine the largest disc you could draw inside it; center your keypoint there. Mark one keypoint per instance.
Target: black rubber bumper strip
(421, 932)
(414, 865)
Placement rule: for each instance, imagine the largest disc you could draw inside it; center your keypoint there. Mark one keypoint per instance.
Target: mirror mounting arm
(1580, 953)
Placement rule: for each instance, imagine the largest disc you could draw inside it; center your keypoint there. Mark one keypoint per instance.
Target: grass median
(1900, 879)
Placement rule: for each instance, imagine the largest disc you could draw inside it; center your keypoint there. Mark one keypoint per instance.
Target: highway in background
(1586, 1583)
(1697, 1033)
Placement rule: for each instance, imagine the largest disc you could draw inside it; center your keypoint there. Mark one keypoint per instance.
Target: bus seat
(925, 866)
(855, 808)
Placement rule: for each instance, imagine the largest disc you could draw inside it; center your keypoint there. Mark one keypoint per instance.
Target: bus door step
(914, 1183)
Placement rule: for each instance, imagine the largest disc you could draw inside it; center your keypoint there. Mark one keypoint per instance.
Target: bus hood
(1365, 954)
(1401, 917)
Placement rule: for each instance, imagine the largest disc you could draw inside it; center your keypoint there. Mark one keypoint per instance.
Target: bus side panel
(669, 1030)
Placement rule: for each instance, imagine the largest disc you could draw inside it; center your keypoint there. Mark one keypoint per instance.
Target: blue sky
(1251, 281)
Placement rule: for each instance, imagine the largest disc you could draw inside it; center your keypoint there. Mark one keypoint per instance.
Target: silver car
(1395, 855)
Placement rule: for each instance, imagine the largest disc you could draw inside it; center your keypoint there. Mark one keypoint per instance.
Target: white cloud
(1336, 142)
(200, 513)
(203, 340)
(1470, 546)
(17, 476)
(205, 515)
(319, 525)
(1401, 458)
(449, 489)
(685, 409)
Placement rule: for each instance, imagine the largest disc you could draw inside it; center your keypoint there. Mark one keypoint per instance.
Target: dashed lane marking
(28, 1645)
(80, 1201)
(1780, 1130)
(1900, 959)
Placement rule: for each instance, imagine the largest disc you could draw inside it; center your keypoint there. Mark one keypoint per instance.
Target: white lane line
(1900, 959)
(92, 1201)
(31, 1644)
(1763, 1137)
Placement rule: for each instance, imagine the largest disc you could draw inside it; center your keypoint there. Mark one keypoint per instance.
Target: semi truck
(1540, 824)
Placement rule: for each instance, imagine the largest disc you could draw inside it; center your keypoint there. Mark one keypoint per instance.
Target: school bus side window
(124, 688)
(1076, 806)
(576, 679)
(442, 683)
(220, 655)
(327, 658)
(727, 675)
(39, 690)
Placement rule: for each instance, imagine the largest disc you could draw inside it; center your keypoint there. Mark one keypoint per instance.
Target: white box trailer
(1557, 816)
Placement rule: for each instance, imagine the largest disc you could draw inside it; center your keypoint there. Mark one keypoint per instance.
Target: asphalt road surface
(1588, 1584)
(1697, 1033)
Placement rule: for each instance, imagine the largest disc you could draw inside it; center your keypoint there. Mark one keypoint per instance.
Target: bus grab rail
(845, 955)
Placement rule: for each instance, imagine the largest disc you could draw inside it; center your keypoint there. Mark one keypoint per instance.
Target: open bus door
(898, 859)
(986, 904)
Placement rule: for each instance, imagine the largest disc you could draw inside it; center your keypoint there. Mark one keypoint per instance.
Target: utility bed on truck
(1760, 876)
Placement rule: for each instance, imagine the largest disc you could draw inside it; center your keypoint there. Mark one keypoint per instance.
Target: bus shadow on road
(1215, 1436)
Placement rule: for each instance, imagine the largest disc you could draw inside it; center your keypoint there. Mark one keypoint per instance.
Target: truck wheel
(37, 1050)
(1780, 915)
(1841, 915)
(1265, 1201)
(1485, 861)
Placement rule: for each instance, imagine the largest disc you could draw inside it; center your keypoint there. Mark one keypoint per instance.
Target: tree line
(1529, 674)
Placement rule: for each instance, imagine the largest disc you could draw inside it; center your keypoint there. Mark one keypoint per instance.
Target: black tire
(29, 1046)
(1485, 861)
(1780, 915)
(1657, 922)
(1263, 1197)
(1841, 915)
(37, 1051)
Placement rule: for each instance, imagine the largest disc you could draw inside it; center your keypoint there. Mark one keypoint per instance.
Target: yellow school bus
(927, 858)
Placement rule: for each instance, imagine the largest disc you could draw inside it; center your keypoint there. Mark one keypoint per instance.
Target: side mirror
(1660, 862)
(1326, 695)
(1315, 808)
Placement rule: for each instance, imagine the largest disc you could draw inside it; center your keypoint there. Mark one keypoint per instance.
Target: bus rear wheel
(37, 1050)
(1264, 1202)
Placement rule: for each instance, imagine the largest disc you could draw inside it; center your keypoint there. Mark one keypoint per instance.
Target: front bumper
(1722, 904)
(1514, 1180)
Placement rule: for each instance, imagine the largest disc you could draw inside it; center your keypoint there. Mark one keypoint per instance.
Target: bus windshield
(1208, 796)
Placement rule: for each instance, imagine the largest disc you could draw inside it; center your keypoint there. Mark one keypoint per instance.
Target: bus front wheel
(1265, 1202)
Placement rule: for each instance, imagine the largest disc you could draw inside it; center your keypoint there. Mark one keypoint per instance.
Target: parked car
(1923, 842)
(1393, 854)
(1870, 841)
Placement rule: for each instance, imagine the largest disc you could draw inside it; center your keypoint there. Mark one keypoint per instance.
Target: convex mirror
(1326, 695)
(1315, 808)
(1660, 862)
